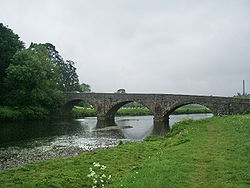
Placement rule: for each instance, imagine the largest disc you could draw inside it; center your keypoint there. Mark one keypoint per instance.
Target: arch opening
(129, 108)
(134, 118)
(78, 109)
(190, 111)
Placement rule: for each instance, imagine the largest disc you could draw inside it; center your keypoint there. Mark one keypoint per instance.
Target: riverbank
(212, 152)
(23, 114)
(79, 112)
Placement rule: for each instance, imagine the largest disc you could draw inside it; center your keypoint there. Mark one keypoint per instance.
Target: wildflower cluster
(98, 176)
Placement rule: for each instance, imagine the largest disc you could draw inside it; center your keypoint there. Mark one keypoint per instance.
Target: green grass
(79, 112)
(213, 152)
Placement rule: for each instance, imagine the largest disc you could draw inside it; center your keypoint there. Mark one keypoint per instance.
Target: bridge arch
(67, 106)
(110, 114)
(175, 106)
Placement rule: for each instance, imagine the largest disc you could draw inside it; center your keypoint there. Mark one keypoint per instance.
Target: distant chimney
(244, 89)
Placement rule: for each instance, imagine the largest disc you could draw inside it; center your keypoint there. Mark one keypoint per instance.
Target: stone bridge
(161, 105)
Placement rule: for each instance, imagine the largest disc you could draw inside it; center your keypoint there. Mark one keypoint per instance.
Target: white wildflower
(103, 176)
(97, 165)
(103, 167)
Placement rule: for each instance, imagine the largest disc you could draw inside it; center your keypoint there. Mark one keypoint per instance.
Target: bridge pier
(160, 128)
(161, 119)
(105, 121)
(160, 125)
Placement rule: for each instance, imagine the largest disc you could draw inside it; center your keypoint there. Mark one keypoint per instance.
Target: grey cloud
(162, 46)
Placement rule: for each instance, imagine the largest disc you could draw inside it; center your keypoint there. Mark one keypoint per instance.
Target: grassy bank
(79, 112)
(213, 152)
(27, 113)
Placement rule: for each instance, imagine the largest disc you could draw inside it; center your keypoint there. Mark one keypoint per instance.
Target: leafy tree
(121, 91)
(85, 88)
(69, 79)
(33, 80)
(9, 44)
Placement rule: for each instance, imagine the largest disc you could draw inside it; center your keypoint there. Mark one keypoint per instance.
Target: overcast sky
(144, 46)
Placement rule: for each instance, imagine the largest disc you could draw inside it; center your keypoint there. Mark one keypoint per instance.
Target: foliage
(32, 79)
(9, 114)
(23, 113)
(192, 110)
(9, 44)
(204, 153)
(79, 112)
(85, 88)
(121, 91)
(133, 112)
(68, 77)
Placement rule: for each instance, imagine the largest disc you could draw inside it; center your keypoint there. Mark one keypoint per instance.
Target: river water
(22, 143)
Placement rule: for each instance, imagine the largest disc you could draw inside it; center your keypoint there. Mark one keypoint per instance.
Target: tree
(85, 88)
(121, 91)
(69, 79)
(33, 79)
(9, 44)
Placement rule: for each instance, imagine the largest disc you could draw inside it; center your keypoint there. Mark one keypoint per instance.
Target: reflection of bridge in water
(161, 105)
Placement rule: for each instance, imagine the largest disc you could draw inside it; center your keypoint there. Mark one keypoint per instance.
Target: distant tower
(244, 89)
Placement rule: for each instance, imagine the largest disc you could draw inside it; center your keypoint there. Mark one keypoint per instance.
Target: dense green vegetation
(80, 112)
(9, 44)
(23, 113)
(32, 79)
(212, 152)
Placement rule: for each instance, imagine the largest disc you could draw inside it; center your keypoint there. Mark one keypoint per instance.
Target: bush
(8, 113)
(25, 113)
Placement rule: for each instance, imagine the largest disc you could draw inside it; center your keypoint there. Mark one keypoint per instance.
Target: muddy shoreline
(15, 158)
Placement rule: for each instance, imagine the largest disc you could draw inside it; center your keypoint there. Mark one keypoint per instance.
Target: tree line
(33, 79)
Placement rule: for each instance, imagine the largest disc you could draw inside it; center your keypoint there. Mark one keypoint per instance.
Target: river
(26, 142)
